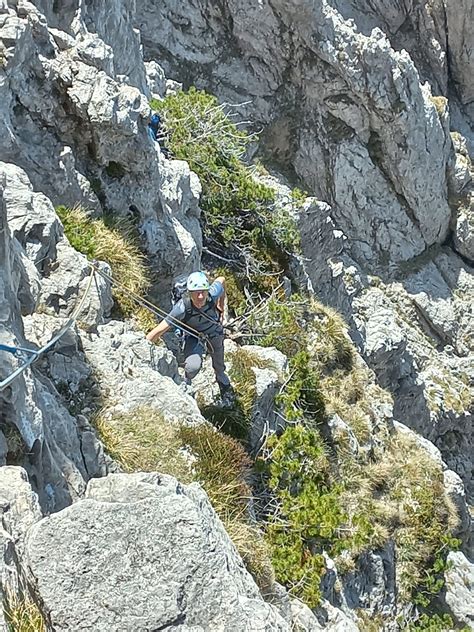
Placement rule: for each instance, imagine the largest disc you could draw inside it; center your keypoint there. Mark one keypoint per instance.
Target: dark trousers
(194, 351)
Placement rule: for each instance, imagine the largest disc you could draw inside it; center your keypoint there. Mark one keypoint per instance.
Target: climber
(157, 132)
(201, 310)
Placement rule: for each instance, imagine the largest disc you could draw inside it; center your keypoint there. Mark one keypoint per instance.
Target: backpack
(179, 291)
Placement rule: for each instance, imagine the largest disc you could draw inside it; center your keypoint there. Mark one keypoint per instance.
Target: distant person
(157, 132)
(201, 309)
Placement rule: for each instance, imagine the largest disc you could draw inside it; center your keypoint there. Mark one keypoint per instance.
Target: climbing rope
(36, 354)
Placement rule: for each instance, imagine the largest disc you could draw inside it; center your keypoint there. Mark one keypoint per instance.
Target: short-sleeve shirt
(205, 320)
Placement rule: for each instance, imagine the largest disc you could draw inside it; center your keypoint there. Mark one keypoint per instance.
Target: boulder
(459, 595)
(143, 552)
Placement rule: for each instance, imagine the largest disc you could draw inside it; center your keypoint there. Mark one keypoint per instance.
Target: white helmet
(197, 281)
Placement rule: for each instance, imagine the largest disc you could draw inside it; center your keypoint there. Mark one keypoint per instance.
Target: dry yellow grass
(143, 441)
(115, 241)
(22, 614)
(403, 492)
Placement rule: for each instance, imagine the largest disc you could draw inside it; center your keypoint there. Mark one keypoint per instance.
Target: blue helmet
(155, 119)
(197, 281)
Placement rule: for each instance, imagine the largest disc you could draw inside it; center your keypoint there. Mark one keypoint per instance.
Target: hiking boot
(227, 396)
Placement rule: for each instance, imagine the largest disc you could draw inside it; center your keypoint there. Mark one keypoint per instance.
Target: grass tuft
(143, 441)
(114, 240)
(22, 614)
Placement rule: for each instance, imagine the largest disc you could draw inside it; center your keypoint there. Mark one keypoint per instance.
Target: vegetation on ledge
(116, 241)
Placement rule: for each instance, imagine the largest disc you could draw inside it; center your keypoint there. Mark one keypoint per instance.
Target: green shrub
(356, 503)
(16, 446)
(302, 398)
(434, 623)
(310, 518)
(115, 241)
(236, 301)
(238, 220)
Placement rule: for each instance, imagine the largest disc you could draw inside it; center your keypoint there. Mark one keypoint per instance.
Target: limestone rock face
(460, 24)
(29, 406)
(137, 373)
(19, 510)
(73, 95)
(353, 96)
(460, 587)
(88, 144)
(339, 90)
(20, 507)
(345, 109)
(142, 552)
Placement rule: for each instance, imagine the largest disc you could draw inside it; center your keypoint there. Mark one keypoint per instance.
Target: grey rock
(423, 443)
(265, 418)
(72, 271)
(100, 120)
(156, 79)
(460, 588)
(148, 558)
(30, 404)
(460, 18)
(19, 504)
(373, 586)
(361, 114)
(137, 373)
(342, 432)
(31, 217)
(3, 449)
(464, 228)
(455, 490)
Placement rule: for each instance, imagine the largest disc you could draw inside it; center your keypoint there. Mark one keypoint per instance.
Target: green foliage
(433, 580)
(302, 398)
(236, 301)
(282, 325)
(238, 215)
(357, 504)
(308, 511)
(434, 623)
(310, 518)
(116, 241)
(298, 196)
